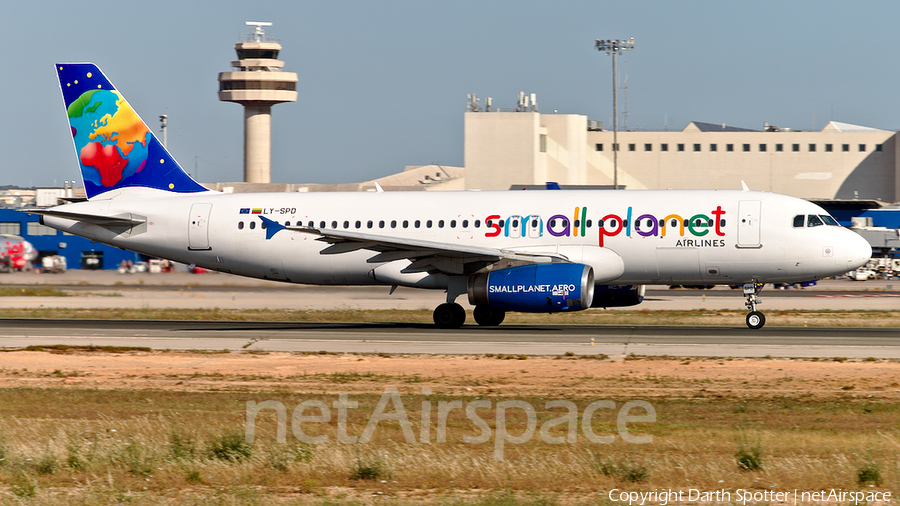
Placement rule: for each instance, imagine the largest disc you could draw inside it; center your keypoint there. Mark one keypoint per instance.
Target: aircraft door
(748, 224)
(198, 228)
(514, 227)
(535, 226)
(465, 222)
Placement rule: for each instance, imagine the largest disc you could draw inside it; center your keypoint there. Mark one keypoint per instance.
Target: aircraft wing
(426, 256)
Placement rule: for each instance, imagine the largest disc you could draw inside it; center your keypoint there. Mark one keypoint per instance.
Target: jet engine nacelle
(618, 295)
(539, 288)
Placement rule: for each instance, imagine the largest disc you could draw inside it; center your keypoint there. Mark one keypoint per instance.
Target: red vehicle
(15, 253)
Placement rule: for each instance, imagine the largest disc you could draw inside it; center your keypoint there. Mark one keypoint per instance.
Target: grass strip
(31, 291)
(797, 318)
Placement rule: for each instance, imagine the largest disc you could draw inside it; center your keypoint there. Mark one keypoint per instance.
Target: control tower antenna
(257, 82)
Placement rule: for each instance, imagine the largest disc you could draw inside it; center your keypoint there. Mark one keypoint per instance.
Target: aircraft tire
(449, 316)
(756, 320)
(488, 316)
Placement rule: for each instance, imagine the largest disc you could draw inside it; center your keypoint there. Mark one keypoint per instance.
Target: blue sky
(383, 84)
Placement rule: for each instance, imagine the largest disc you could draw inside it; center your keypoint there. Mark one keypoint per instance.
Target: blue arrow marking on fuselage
(272, 227)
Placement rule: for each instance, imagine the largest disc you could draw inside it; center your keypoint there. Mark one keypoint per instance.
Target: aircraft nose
(858, 251)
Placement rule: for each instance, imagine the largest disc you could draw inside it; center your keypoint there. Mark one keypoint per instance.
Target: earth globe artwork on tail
(110, 138)
(113, 145)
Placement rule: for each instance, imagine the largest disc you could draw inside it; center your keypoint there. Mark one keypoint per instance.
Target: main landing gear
(755, 319)
(452, 316)
(449, 316)
(488, 316)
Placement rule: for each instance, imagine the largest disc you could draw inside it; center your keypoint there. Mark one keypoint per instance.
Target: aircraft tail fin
(114, 146)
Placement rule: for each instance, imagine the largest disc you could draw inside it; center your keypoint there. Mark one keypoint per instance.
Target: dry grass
(821, 318)
(31, 291)
(75, 445)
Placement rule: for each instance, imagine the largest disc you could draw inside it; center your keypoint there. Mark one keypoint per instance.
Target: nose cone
(858, 251)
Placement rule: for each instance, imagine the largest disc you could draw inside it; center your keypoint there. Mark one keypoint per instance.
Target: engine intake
(539, 288)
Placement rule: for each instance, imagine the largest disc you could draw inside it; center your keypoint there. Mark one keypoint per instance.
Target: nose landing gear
(755, 319)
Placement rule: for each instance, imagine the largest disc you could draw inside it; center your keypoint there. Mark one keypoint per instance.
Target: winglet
(378, 188)
(552, 185)
(272, 227)
(744, 186)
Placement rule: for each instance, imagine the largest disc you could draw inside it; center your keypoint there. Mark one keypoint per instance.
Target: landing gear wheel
(756, 320)
(449, 316)
(488, 316)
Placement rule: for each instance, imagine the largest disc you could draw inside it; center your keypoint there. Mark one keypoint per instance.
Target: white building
(839, 162)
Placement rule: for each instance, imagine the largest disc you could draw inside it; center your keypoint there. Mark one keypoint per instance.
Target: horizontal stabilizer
(127, 219)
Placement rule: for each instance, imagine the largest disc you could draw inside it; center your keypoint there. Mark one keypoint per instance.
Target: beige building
(841, 161)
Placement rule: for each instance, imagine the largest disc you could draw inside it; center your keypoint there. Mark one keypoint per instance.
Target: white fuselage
(731, 237)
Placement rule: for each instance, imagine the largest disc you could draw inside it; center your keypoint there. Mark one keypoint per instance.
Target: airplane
(525, 251)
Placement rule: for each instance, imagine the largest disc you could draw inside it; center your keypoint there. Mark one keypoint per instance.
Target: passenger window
(589, 223)
(452, 223)
(565, 223)
(813, 221)
(418, 223)
(358, 224)
(477, 223)
(515, 223)
(381, 224)
(465, 224)
(288, 224)
(552, 223)
(240, 225)
(321, 224)
(311, 223)
(829, 220)
(369, 224)
(441, 224)
(393, 223)
(405, 223)
(600, 223)
(428, 223)
(674, 223)
(722, 223)
(262, 225)
(252, 225)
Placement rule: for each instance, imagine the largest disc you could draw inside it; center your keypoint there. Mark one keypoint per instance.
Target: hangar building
(841, 161)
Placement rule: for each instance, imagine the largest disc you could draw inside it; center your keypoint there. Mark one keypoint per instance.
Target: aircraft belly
(679, 265)
(304, 264)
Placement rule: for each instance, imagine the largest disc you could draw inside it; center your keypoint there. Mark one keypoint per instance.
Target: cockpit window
(829, 220)
(813, 221)
(799, 220)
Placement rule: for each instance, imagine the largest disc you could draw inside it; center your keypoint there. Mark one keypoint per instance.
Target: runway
(615, 341)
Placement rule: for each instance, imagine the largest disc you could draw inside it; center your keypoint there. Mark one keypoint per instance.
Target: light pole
(163, 123)
(615, 47)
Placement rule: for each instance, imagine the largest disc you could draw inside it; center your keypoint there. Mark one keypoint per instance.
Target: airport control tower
(257, 83)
